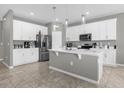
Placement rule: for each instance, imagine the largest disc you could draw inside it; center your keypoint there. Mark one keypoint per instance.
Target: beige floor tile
(38, 75)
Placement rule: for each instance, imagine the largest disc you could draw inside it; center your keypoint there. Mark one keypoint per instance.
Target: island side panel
(86, 67)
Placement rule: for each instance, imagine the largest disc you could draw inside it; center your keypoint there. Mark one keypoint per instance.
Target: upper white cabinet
(111, 29)
(92, 28)
(27, 31)
(17, 30)
(72, 33)
(102, 30)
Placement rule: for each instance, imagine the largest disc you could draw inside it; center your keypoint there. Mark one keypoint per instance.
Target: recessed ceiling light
(87, 13)
(4, 19)
(57, 19)
(31, 13)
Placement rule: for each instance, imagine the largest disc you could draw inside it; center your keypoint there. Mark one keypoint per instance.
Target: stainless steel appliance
(86, 46)
(85, 37)
(26, 44)
(43, 42)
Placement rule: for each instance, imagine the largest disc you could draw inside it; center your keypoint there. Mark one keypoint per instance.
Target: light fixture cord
(54, 12)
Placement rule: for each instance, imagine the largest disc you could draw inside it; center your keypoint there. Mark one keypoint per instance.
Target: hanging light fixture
(83, 20)
(54, 12)
(66, 19)
(66, 22)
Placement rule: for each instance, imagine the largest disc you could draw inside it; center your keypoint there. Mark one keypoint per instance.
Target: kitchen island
(80, 63)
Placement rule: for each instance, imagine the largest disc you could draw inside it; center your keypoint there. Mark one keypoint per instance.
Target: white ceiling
(43, 13)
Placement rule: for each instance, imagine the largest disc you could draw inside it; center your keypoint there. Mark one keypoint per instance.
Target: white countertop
(80, 51)
(24, 48)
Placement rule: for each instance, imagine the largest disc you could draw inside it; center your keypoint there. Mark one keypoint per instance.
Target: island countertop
(81, 63)
(80, 51)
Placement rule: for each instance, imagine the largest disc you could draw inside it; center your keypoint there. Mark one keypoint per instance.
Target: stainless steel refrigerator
(44, 43)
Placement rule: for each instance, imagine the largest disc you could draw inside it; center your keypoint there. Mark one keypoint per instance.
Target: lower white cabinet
(109, 57)
(25, 56)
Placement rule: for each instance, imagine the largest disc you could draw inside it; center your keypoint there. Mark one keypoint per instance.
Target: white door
(56, 39)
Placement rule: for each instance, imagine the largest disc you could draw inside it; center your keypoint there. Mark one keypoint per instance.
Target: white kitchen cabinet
(93, 29)
(44, 30)
(73, 33)
(17, 30)
(27, 31)
(102, 30)
(111, 29)
(110, 57)
(17, 57)
(107, 29)
(25, 56)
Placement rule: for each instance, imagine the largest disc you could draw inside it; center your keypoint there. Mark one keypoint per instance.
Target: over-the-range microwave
(85, 37)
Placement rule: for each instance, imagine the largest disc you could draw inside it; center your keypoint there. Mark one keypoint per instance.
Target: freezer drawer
(44, 56)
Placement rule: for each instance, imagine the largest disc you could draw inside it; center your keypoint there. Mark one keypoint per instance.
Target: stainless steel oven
(85, 37)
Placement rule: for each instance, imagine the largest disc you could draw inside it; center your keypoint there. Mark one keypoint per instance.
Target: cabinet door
(33, 29)
(93, 28)
(103, 30)
(73, 33)
(17, 30)
(25, 31)
(110, 57)
(111, 29)
(27, 56)
(17, 57)
(34, 55)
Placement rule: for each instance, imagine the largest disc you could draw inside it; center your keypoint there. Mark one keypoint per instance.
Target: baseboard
(74, 75)
(10, 67)
(115, 65)
(1, 59)
(120, 65)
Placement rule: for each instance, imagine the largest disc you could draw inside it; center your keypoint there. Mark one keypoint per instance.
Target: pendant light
(54, 13)
(83, 20)
(66, 22)
(66, 19)
(54, 19)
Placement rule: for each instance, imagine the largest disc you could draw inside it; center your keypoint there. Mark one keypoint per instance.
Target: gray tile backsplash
(102, 42)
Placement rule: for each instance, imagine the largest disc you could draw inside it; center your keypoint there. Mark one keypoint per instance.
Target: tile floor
(37, 75)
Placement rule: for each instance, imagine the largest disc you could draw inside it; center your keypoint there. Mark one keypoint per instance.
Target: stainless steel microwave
(85, 37)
